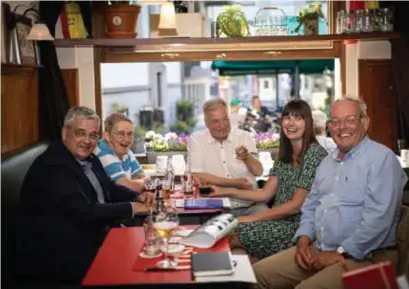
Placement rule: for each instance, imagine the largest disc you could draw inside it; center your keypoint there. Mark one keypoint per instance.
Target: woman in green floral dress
(271, 231)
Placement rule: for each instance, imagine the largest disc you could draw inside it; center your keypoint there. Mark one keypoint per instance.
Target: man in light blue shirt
(351, 213)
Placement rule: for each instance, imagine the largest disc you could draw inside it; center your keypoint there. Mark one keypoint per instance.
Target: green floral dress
(262, 239)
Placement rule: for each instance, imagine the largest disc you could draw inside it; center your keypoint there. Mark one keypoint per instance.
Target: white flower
(157, 136)
(150, 134)
(170, 135)
(275, 137)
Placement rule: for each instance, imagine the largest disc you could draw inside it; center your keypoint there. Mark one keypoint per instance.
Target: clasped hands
(309, 258)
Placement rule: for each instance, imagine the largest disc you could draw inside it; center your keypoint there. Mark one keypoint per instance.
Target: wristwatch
(342, 251)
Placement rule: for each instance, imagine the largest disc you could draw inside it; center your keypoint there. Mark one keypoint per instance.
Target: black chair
(14, 167)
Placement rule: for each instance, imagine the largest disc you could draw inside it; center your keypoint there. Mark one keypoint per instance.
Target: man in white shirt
(224, 157)
(320, 125)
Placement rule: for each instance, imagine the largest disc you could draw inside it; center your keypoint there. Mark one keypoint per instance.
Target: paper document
(243, 272)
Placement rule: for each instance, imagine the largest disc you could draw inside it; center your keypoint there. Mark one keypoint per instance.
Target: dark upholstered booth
(13, 170)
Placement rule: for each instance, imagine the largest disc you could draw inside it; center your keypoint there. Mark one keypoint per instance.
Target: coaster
(143, 255)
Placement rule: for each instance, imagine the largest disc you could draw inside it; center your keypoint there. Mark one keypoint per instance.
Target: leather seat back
(13, 170)
(403, 241)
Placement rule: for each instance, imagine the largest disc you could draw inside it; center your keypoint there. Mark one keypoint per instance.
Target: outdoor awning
(268, 67)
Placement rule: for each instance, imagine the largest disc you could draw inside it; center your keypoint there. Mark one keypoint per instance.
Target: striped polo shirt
(115, 167)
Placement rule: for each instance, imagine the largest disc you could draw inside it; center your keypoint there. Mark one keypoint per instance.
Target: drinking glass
(165, 223)
(166, 189)
(152, 240)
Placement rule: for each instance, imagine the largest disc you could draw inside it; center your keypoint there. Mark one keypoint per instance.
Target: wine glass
(165, 223)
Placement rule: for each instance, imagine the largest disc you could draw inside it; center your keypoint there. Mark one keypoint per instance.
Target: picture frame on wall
(26, 48)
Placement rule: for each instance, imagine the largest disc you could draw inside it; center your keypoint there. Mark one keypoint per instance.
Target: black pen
(156, 269)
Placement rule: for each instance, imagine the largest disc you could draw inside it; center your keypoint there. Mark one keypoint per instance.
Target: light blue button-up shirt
(354, 202)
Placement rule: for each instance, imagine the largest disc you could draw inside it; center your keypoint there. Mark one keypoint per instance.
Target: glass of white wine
(165, 223)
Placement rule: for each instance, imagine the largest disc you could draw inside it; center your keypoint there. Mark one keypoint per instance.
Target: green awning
(266, 67)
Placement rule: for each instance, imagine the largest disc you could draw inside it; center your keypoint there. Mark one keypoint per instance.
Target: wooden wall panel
(375, 88)
(71, 82)
(19, 107)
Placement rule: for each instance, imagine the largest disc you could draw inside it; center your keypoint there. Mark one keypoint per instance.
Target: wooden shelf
(9, 68)
(180, 41)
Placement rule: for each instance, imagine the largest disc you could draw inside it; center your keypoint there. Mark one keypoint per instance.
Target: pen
(156, 269)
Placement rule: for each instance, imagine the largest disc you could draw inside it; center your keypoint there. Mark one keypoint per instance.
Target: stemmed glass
(165, 223)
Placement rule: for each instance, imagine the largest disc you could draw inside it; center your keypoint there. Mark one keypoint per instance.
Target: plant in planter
(121, 18)
(232, 22)
(267, 140)
(308, 19)
(185, 117)
(178, 143)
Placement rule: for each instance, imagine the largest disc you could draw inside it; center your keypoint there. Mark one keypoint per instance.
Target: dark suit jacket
(61, 225)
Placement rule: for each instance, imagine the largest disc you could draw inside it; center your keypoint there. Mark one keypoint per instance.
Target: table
(186, 217)
(113, 265)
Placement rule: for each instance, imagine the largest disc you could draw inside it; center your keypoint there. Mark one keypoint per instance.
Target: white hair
(356, 100)
(80, 111)
(320, 118)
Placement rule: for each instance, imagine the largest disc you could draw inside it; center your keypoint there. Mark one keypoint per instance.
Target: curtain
(54, 102)
(400, 64)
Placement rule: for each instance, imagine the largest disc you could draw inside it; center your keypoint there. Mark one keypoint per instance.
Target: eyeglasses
(123, 134)
(349, 120)
(80, 133)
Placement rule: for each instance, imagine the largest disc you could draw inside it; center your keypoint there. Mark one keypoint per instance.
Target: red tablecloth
(115, 261)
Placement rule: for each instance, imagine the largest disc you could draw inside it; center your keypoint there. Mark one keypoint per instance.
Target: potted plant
(232, 22)
(308, 18)
(121, 18)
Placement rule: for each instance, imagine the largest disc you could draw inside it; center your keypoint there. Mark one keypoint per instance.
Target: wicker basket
(270, 21)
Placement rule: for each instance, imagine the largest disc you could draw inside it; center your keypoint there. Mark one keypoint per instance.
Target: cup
(152, 240)
(161, 164)
(179, 164)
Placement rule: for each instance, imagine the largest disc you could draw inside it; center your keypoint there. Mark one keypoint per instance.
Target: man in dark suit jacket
(67, 205)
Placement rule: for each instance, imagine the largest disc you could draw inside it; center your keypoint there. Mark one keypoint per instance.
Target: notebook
(204, 203)
(377, 276)
(212, 264)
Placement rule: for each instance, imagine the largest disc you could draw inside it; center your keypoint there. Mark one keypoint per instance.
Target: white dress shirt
(207, 155)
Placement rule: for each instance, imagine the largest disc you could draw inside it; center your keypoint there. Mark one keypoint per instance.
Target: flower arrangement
(179, 143)
(267, 140)
(308, 17)
(169, 142)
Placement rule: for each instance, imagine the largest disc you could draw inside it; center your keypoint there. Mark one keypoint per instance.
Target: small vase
(311, 27)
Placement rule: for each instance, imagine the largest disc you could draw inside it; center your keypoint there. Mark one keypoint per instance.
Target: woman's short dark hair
(299, 108)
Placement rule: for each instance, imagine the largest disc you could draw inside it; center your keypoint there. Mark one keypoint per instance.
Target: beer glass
(165, 223)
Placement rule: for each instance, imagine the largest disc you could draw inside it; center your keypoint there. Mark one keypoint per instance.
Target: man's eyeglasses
(349, 120)
(122, 134)
(82, 134)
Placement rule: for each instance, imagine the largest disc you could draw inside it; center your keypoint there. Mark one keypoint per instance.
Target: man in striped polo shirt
(115, 154)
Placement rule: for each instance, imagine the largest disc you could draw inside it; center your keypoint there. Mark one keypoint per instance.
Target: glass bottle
(170, 174)
(359, 20)
(340, 21)
(187, 181)
(386, 19)
(368, 21)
